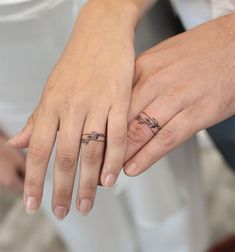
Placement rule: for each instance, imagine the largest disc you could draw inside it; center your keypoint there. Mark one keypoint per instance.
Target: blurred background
(41, 233)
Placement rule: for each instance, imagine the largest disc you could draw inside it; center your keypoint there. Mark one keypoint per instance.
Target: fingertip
(84, 206)
(131, 169)
(12, 141)
(19, 141)
(31, 205)
(130, 174)
(108, 180)
(60, 212)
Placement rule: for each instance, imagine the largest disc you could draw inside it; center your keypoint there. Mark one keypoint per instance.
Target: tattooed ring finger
(147, 124)
(142, 129)
(93, 136)
(150, 122)
(92, 154)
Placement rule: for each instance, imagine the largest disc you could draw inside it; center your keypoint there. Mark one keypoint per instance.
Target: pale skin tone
(88, 91)
(182, 83)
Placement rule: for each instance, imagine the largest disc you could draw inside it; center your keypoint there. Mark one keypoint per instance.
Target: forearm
(126, 10)
(105, 23)
(140, 5)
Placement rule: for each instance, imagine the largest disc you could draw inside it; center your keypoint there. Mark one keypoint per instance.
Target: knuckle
(78, 104)
(62, 195)
(36, 154)
(149, 154)
(120, 137)
(65, 161)
(136, 134)
(87, 192)
(92, 153)
(166, 138)
(33, 187)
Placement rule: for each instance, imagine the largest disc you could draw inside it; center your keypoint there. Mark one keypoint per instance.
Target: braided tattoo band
(151, 122)
(93, 136)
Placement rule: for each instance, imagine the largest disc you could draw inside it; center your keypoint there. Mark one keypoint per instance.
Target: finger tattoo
(93, 136)
(151, 122)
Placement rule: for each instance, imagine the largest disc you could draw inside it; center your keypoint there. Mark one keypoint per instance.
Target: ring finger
(92, 152)
(149, 121)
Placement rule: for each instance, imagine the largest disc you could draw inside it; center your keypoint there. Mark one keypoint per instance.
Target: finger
(174, 133)
(141, 97)
(66, 163)
(148, 122)
(116, 146)
(21, 140)
(92, 151)
(40, 148)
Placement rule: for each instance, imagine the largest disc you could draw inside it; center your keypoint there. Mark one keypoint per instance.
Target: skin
(12, 166)
(184, 76)
(80, 98)
(187, 84)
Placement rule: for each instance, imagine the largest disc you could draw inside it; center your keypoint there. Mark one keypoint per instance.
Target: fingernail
(85, 206)
(31, 205)
(60, 212)
(109, 181)
(131, 168)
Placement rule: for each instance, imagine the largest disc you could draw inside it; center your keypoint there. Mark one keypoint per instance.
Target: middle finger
(66, 163)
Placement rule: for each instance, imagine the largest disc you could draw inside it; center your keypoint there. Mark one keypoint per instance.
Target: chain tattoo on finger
(151, 122)
(93, 136)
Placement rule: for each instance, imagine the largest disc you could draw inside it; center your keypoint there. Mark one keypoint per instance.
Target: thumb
(21, 140)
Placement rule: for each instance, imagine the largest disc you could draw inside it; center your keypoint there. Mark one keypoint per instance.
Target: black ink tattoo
(93, 136)
(151, 122)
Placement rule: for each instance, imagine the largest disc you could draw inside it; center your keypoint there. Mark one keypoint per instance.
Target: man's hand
(183, 85)
(12, 166)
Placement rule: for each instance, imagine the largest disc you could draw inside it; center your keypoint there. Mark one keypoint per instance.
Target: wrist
(123, 13)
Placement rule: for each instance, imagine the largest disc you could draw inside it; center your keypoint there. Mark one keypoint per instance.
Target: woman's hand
(86, 99)
(12, 166)
(183, 85)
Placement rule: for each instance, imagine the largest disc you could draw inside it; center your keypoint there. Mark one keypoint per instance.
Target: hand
(12, 166)
(88, 90)
(183, 85)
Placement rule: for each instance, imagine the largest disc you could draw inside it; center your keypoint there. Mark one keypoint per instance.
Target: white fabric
(19, 10)
(220, 8)
(195, 12)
